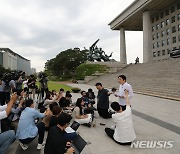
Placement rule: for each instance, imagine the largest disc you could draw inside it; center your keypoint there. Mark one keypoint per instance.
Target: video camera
(41, 76)
(18, 74)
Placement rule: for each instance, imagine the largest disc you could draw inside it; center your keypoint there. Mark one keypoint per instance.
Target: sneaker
(40, 146)
(23, 146)
(44, 142)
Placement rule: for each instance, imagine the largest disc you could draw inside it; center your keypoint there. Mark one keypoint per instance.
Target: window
(178, 6)
(167, 12)
(163, 52)
(174, 39)
(158, 53)
(154, 45)
(158, 43)
(172, 9)
(173, 19)
(167, 21)
(168, 41)
(179, 38)
(153, 37)
(174, 48)
(173, 29)
(154, 54)
(157, 35)
(152, 20)
(178, 27)
(178, 16)
(162, 14)
(167, 31)
(168, 51)
(157, 17)
(162, 33)
(162, 24)
(157, 26)
(153, 28)
(163, 43)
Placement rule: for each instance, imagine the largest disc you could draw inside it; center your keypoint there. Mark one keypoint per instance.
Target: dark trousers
(42, 91)
(104, 113)
(41, 131)
(4, 97)
(110, 133)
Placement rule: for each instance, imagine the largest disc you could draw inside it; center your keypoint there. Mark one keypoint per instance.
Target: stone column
(147, 54)
(123, 58)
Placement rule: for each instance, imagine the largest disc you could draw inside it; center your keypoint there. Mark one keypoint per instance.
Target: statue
(97, 54)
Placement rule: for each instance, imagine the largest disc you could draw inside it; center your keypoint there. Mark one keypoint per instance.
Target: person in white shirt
(124, 132)
(124, 86)
(7, 137)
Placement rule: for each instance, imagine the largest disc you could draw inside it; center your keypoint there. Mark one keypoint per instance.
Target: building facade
(160, 22)
(13, 61)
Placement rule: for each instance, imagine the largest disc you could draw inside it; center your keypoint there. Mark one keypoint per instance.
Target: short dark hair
(28, 102)
(61, 89)
(56, 110)
(122, 76)
(98, 84)
(68, 95)
(83, 92)
(90, 90)
(52, 105)
(64, 119)
(115, 106)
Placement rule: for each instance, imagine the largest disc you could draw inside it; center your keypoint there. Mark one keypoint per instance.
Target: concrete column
(147, 54)
(123, 58)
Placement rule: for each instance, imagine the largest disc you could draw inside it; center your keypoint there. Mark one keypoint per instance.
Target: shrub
(76, 89)
(89, 69)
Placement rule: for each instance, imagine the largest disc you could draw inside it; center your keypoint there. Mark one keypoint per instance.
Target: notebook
(75, 125)
(78, 144)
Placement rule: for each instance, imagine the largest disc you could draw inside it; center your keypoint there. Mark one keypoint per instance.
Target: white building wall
(9, 61)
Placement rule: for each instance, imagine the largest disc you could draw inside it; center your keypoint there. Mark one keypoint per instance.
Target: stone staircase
(161, 79)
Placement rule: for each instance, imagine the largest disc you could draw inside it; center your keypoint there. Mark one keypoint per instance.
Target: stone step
(161, 77)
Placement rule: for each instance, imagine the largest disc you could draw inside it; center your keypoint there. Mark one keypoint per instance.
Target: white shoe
(40, 146)
(44, 142)
(23, 146)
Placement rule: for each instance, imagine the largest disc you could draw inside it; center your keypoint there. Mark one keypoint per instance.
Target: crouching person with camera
(56, 142)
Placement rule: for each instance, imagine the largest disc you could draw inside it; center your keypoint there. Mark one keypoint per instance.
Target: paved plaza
(154, 119)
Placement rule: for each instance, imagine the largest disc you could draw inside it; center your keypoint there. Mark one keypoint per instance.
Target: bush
(76, 89)
(89, 69)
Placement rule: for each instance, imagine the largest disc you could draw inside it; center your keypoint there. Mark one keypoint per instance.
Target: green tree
(66, 62)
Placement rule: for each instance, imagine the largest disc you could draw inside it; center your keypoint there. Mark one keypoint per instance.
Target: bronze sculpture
(97, 54)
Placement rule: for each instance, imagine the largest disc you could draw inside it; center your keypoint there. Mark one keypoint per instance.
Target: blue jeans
(6, 139)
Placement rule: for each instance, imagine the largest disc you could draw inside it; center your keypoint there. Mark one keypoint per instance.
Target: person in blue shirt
(27, 129)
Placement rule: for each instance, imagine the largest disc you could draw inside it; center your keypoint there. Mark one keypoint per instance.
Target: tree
(66, 62)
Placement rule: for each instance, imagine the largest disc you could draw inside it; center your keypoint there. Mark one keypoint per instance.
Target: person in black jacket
(103, 101)
(56, 142)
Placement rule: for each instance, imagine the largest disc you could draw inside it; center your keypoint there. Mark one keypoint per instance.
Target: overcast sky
(39, 29)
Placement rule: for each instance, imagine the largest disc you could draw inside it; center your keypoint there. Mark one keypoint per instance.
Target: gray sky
(39, 29)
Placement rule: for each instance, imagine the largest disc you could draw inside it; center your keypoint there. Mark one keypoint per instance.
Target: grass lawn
(56, 86)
